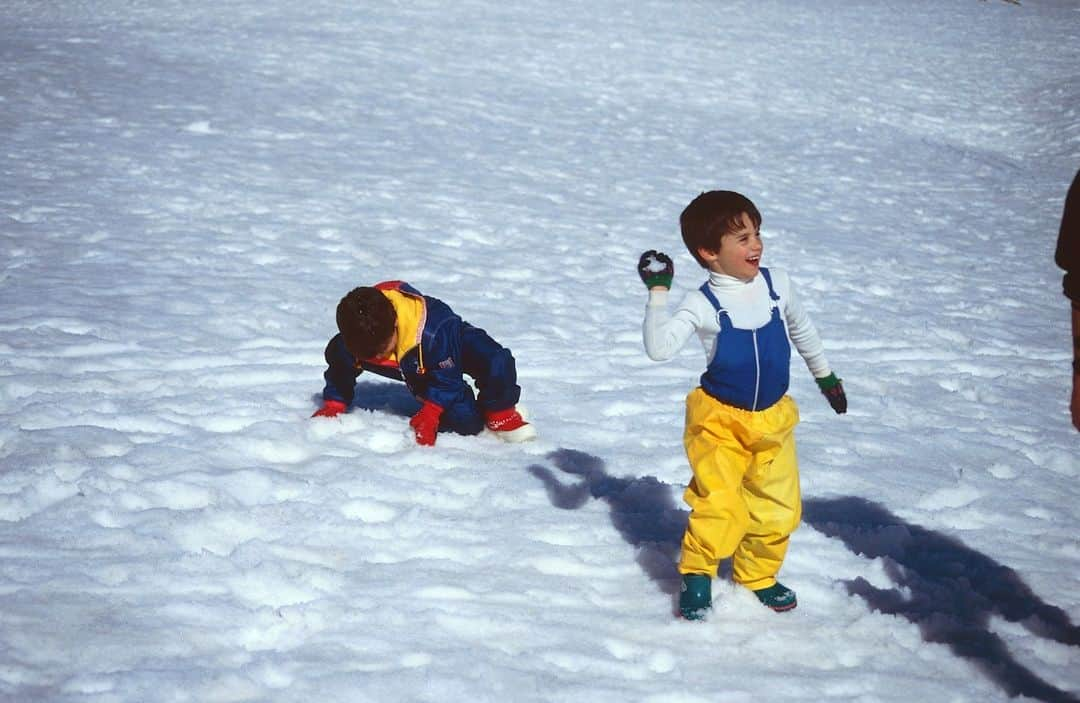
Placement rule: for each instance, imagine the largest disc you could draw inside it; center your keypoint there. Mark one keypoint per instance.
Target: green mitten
(833, 390)
(656, 269)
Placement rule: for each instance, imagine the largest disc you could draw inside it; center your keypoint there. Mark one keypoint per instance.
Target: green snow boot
(695, 596)
(778, 597)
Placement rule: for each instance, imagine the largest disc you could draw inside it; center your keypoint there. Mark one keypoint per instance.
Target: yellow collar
(411, 315)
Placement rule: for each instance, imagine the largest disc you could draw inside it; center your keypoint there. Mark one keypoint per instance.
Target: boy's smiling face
(739, 255)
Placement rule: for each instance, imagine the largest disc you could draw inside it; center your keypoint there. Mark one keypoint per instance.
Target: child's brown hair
(710, 216)
(366, 320)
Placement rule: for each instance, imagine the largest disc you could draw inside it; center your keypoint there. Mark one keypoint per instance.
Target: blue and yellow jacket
(427, 359)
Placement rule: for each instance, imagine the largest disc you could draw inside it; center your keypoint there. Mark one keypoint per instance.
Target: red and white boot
(509, 426)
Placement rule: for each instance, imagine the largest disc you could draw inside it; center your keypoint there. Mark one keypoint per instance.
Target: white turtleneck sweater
(749, 307)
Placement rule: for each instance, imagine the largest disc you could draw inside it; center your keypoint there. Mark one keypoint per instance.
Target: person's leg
(493, 368)
(463, 417)
(772, 496)
(718, 458)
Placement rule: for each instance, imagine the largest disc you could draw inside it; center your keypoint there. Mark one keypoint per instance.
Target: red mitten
(330, 408)
(426, 423)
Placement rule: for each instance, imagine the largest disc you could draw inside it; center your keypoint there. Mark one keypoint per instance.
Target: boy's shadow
(642, 510)
(954, 591)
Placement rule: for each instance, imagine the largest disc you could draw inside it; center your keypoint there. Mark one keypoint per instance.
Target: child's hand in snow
(330, 408)
(426, 423)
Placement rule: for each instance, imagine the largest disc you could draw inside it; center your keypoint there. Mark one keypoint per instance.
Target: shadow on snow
(384, 396)
(642, 510)
(949, 590)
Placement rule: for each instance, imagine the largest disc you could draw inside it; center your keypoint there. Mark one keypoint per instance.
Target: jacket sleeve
(1067, 255)
(341, 372)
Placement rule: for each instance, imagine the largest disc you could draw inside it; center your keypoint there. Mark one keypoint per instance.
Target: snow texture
(188, 188)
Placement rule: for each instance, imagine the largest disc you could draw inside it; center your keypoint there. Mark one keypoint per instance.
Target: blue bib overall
(751, 368)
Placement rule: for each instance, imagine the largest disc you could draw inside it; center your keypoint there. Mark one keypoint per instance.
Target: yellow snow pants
(744, 496)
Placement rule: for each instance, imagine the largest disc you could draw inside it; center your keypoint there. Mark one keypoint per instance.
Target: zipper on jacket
(757, 368)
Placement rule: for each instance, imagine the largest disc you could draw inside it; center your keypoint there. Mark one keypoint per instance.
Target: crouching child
(393, 330)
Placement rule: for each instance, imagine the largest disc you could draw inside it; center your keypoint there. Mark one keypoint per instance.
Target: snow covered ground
(187, 189)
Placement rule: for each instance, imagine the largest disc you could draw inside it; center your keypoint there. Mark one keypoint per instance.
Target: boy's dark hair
(366, 321)
(710, 216)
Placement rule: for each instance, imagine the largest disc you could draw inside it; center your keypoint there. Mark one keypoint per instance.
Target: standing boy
(394, 331)
(739, 436)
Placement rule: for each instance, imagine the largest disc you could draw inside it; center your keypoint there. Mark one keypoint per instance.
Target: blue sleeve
(341, 372)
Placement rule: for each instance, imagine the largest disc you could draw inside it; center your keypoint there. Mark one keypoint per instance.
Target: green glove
(833, 391)
(656, 269)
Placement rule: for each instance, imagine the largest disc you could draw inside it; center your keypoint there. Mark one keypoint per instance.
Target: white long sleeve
(747, 304)
(804, 335)
(664, 334)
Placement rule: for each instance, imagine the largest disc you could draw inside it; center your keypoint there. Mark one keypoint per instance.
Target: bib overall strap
(768, 282)
(710, 297)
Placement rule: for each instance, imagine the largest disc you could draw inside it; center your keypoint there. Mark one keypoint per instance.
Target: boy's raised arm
(662, 334)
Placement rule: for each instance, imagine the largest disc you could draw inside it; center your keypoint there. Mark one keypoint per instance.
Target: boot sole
(524, 433)
(782, 608)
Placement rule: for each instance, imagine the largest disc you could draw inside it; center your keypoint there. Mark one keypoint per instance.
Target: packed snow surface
(188, 188)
